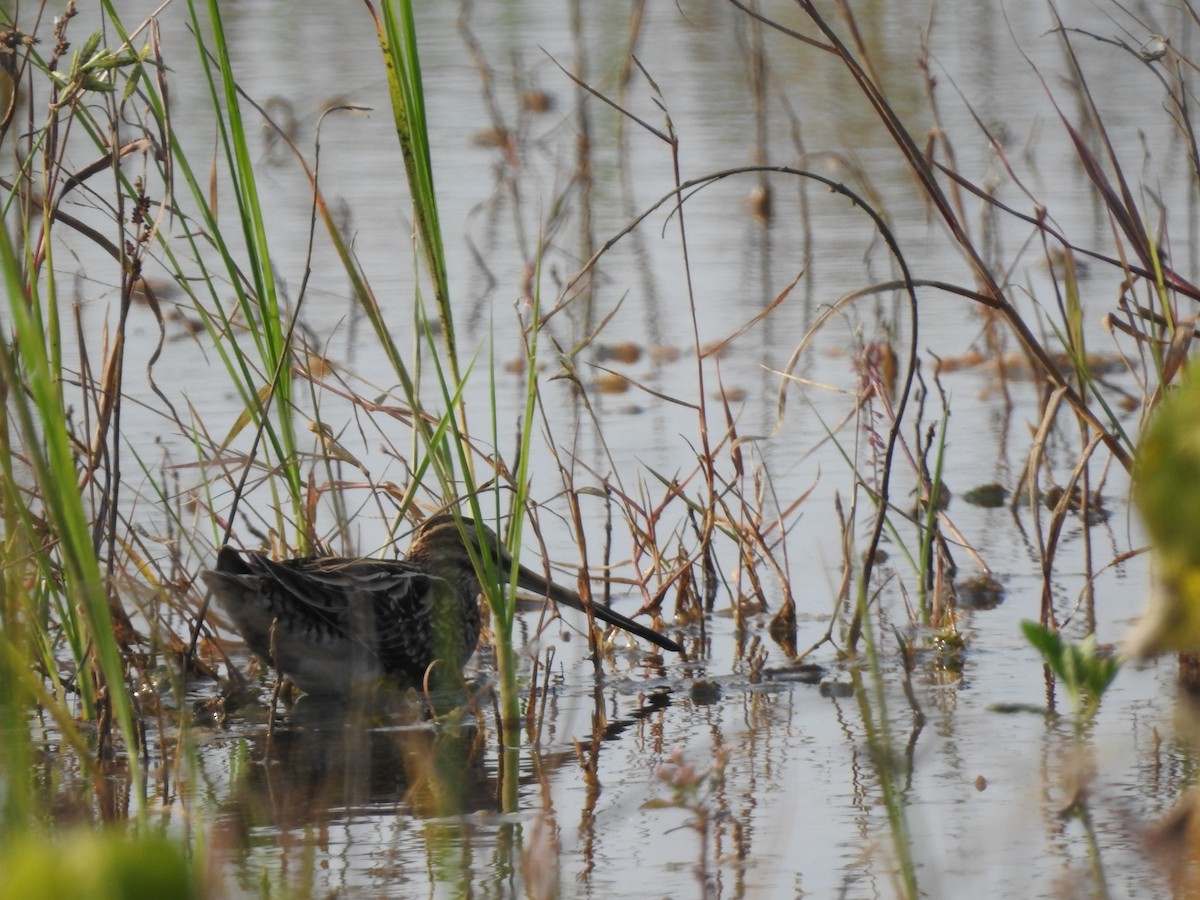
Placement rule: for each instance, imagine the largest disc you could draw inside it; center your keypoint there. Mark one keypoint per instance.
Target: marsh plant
(119, 480)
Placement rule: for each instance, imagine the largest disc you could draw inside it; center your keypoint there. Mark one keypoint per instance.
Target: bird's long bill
(531, 581)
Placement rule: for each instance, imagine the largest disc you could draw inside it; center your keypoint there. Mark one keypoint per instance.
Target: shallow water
(333, 809)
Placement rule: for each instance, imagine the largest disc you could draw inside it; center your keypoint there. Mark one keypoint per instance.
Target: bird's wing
(350, 595)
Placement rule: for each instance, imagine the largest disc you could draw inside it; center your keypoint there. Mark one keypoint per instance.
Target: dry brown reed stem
(642, 519)
(1121, 205)
(753, 544)
(583, 149)
(589, 763)
(100, 450)
(681, 192)
(1030, 477)
(758, 76)
(706, 456)
(921, 167)
(849, 565)
(583, 581)
(1064, 506)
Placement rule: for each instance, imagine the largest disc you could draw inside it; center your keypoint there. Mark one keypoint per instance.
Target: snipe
(330, 623)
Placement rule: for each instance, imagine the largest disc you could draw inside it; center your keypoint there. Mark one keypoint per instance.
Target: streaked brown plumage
(330, 623)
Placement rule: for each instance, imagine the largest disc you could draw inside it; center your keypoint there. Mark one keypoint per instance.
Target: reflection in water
(327, 764)
(324, 761)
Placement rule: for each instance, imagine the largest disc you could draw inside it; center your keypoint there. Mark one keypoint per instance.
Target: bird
(333, 624)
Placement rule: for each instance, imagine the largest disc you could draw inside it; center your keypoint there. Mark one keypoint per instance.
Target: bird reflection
(325, 760)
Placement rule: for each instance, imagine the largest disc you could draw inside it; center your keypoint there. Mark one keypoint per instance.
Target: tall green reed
(448, 447)
(62, 626)
(255, 290)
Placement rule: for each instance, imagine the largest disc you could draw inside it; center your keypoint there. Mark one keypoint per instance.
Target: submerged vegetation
(129, 453)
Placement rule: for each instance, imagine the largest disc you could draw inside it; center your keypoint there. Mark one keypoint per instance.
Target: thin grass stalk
(440, 457)
(503, 605)
(261, 309)
(24, 606)
(924, 171)
(873, 708)
(16, 805)
(585, 166)
(398, 41)
(175, 160)
(503, 608)
(929, 529)
(47, 446)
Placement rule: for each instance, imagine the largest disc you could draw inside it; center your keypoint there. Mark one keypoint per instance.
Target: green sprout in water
(1086, 675)
(1082, 671)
